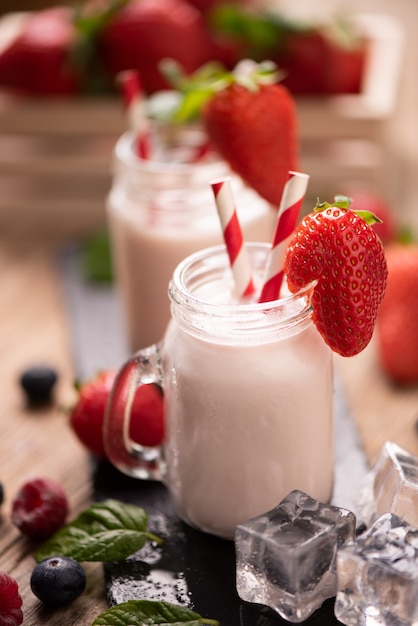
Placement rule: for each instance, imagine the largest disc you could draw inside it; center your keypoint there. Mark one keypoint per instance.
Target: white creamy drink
(159, 213)
(248, 393)
(249, 419)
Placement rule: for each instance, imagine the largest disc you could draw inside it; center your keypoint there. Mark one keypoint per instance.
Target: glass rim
(124, 154)
(180, 293)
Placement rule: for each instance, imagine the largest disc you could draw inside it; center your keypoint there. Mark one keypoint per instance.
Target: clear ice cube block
(391, 486)
(378, 576)
(286, 557)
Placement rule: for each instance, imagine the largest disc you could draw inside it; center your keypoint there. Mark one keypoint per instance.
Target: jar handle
(145, 462)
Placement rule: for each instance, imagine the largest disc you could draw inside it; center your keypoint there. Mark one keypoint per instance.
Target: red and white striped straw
(293, 194)
(234, 240)
(130, 84)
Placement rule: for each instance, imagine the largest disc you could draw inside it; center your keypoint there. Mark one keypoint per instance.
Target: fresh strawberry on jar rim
(339, 249)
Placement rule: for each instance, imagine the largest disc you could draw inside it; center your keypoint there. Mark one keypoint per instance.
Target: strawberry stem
(195, 90)
(344, 202)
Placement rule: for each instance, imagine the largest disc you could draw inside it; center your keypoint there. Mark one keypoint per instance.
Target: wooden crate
(55, 154)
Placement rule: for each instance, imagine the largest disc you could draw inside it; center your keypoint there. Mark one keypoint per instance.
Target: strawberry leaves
(192, 92)
(106, 531)
(344, 202)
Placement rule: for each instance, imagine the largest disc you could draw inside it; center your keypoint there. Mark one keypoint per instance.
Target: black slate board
(191, 567)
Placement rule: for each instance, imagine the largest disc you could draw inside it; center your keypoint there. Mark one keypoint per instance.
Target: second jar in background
(159, 213)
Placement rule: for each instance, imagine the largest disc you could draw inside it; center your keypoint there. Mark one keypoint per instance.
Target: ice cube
(391, 486)
(286, 557)
(378, 576)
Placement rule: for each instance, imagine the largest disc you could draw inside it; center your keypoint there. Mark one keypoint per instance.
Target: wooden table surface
(34, 329)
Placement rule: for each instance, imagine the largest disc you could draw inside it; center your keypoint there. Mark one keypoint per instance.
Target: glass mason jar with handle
(248, 398)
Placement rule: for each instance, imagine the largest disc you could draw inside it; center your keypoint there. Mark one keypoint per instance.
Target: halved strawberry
(338, 248)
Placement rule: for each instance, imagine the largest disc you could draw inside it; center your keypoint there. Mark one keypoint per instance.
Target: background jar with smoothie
(159, 211)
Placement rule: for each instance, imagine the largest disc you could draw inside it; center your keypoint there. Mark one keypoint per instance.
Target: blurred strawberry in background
(397, 328)
(316, 62)
(38, 59)
(366, 200)
(315, 58)
(206, 6)
(64, 51)
(144, 32)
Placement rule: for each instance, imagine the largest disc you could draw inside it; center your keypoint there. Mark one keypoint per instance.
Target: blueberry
(38, 383)
(58, 580)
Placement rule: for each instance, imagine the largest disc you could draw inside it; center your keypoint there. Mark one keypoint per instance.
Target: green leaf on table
(149, 612)
(106, 531)
(96, 259)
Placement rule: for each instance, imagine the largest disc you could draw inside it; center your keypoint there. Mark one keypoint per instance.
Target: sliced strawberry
(336, 247)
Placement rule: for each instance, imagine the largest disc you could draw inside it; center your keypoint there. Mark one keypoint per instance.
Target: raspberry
(40, 508)
(10, 601)
(58, 580)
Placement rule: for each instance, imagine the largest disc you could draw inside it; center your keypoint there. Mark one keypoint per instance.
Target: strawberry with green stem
(250, 119)
(317, 58)
(339, 249)
(141, 33)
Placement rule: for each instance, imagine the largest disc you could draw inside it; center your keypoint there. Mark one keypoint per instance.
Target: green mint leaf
(112, 545)
(110, 515)
(149, 612)
(107, 531)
